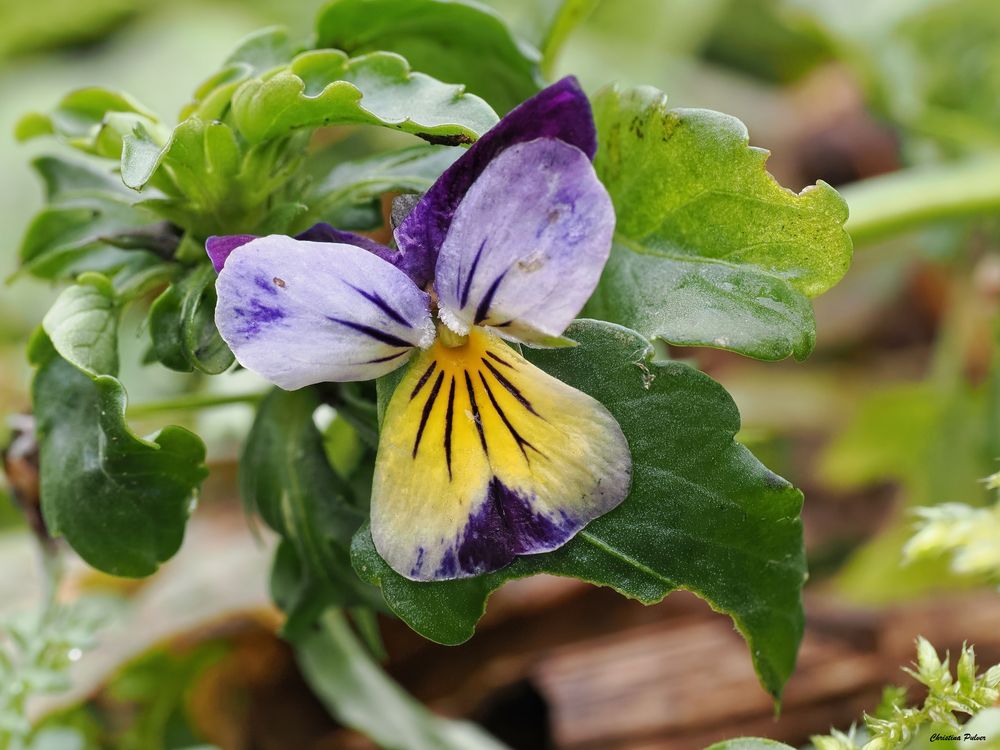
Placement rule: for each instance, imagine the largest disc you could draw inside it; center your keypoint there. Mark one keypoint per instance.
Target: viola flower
(482, 456)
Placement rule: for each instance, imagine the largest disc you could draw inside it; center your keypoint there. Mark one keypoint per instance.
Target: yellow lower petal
(483, 457)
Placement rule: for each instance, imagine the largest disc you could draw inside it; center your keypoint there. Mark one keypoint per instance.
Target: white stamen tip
(453, 322)
(427, 334)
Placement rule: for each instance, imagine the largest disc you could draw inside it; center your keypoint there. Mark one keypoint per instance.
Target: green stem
(195, 401)
(894, 203)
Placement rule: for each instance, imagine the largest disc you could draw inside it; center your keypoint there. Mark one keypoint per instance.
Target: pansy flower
(482, 456)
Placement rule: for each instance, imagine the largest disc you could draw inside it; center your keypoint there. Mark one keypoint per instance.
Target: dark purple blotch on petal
(220, 247)
(561, 111)
(419, 564)
(504, 527)
(255, 315)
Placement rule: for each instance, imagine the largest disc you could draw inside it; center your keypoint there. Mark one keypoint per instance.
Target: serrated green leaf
(453, 40)
(690, 191)
(348, 197)
(703, 514)
(361, 696)
(325, 87)
(182, 325)
(83, 325)
(120, 501)
(286, 478)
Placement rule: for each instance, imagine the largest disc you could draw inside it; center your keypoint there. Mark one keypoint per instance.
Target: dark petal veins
(512, 389)
(521, 442)
(428, 406)
(387, 359)
(448, 424)
(483, 310)
(376, 299)
(375, 333)
(561, 112)
(499, 359)
(475, 413)
(423, 379)
(464, 295)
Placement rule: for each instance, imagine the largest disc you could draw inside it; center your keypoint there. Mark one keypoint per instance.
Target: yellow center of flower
(448, 338)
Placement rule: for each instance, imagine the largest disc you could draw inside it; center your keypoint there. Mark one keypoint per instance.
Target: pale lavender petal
(561, 111)
(527, 244)
(220, 247)
(299, 312)
(325, 233)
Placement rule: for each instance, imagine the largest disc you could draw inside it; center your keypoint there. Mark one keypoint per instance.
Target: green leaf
(91, 119)
(453, 40)
(264, 49)
(325, 87)
(361, 696)
(205, 158)
(703, 514)
(286, 478)
(182, 325)
(78, 234)
(87, 225)
(257, 53)
(63, 178)
(83, 325)
(704, 303)
(120, 501)
(714, 237)
(215, 184)
(348, 197)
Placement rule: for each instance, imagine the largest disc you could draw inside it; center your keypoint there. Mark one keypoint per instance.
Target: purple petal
(323, 232)
(220, 247)
(560, 111)
(299, 312)
(527, 245)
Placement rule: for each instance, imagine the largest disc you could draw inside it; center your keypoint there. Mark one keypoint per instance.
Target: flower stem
(192, 402)
(897, 202)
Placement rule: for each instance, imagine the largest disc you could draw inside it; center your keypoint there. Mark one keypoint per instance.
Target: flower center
(448, 337)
